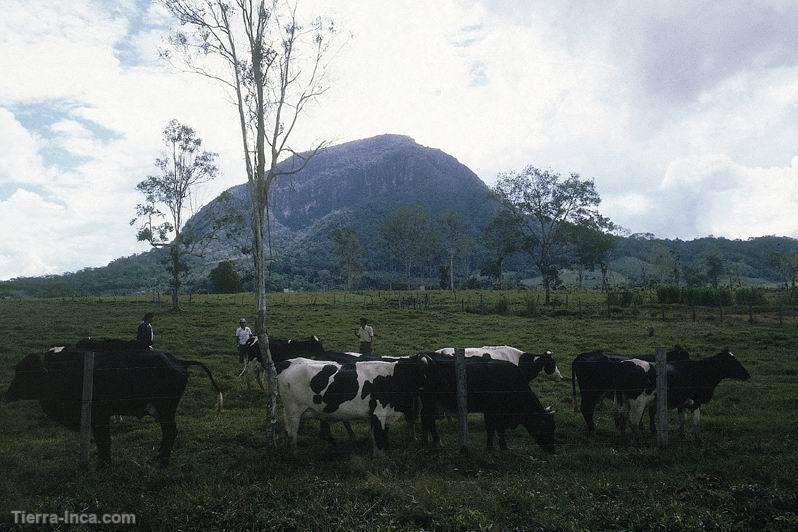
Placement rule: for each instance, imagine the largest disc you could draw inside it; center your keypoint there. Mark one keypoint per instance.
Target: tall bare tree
(456, 240)
(272, 67)
(182, 167)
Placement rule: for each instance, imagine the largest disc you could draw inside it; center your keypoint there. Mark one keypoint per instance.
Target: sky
(684, 113)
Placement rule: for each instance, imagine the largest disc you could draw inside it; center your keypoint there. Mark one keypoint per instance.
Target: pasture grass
(223, 477)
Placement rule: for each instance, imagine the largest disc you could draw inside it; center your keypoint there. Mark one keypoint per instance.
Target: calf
(597, 374)
(692, 383)
(125, 383)
(496, 388)
(378, 391)
(531, 364)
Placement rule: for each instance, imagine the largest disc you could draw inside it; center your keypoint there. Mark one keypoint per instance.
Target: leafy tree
(541, 204)
(786, 263)
(593, 243)
(502, 238)
(168, 200)
(662, 259)
(714, 265)
(456, 240)
(225, 278)
(348, 251)
(272, 67)
(410, 236)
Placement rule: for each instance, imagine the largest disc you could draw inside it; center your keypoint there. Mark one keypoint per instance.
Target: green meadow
(742, 476)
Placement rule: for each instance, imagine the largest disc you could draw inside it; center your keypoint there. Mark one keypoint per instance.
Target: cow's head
(550, 366)
(730, 366)
(29, 380)
(678, 353)
(541, 426)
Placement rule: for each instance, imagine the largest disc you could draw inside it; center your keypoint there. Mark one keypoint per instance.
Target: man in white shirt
(243, 334)
(366, 336)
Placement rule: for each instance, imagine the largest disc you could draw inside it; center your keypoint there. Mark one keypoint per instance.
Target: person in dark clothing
(145, 335)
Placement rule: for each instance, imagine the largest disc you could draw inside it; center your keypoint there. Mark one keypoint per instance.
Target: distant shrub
(624, 298)
(708, 297)
(750, 296)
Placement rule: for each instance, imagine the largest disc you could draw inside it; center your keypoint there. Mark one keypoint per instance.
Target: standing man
(243, 334)
(366, 336)
(145, 335)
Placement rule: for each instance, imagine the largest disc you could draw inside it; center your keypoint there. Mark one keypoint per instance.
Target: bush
(750, 296)
(708, 297)
(624, 298)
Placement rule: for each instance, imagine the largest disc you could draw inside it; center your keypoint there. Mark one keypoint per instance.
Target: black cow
(496, 388)
(598, 374)
(280, 350)
(691, 384)
(125, 383)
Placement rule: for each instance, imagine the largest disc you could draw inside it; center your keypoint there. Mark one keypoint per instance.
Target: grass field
(222, 476)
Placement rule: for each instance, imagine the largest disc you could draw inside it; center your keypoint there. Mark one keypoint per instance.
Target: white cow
(379, 391)
(531, 362)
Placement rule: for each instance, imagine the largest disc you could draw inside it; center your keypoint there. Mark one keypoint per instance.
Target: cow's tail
(573, 385)
(220, 397)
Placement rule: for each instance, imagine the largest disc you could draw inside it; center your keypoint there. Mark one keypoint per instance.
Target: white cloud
(599, 88)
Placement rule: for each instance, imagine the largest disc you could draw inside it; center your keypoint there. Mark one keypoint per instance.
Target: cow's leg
(378, 440)
(168, 435)
(101, 427)
(588, 406)
(411, 419)
(291, 421)
(621, 415)
(324, 432)
(696, 424)
(682, 414)
(349, 431)
(489, 431)
(636, 408)
(502, 440)
(652, 418)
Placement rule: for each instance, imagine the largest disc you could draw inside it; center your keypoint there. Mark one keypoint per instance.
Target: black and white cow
(600, 374)
(125, 383)
(378, 391)
(280, 350)
(531, 364)
(496, 388)
(692, 383)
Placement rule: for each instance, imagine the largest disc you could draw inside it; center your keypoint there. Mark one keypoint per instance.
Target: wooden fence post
(85, 408)
(462, 399)
(661, 360)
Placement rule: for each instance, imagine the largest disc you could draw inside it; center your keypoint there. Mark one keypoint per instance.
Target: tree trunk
(175, 276)
(260, 326)
(451, 271)
(407, 267)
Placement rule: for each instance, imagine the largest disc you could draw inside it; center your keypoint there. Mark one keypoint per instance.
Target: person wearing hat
(366, 336)
(145, 335)
(243, 334)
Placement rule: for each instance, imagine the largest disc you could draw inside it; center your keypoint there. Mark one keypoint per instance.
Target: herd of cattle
(335, 386)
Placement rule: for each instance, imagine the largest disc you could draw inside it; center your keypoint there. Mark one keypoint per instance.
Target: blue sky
(683, 112)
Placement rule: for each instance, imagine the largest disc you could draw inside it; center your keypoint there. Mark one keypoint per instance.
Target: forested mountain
(359, 184)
